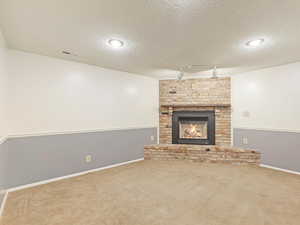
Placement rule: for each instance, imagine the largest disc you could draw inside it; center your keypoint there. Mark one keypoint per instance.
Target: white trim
(268, 129)
(74, 132)
(71, 175)
(3, 202)
(283, 170)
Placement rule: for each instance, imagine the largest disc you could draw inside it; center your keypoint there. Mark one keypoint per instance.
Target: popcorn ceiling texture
(196, 95)
(155, 33)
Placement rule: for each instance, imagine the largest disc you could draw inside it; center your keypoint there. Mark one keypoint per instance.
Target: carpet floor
(162, 193)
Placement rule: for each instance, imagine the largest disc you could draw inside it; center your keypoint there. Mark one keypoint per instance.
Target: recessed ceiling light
(255, 43)
(115, 43)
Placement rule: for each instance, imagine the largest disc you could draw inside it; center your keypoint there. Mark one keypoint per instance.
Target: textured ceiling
(160, 35)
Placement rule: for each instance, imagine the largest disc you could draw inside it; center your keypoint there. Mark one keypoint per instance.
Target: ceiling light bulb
(255, 43)
(115, 43)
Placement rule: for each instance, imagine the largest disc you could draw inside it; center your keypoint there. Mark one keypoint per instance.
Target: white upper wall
(267, 99)
(3, 78)
(54, 95)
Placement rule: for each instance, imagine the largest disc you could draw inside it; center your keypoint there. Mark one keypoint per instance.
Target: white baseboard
(3, 202)
(283, 170)
(71, 175)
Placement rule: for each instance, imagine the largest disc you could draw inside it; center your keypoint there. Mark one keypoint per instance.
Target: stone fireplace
(195, 123)
(195, 111)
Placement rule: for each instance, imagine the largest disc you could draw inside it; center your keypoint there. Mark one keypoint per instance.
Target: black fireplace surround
(184, 117)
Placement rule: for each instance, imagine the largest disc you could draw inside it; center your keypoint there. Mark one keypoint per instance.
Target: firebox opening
(193, 127)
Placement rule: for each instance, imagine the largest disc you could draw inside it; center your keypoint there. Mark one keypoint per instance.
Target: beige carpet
(162, 193)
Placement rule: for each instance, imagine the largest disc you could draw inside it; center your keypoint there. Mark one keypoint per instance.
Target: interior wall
(266, 111)
(3, 124)
(54, 95)
(67, 117)
(267, 99)
(3, 82)
(39, 158)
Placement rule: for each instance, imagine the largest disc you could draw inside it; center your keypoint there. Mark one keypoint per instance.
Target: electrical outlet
(245, 140)
(152, 138)
(88, 158)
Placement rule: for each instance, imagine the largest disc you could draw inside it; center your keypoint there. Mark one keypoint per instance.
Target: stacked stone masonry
(196, 95)
(201, 153)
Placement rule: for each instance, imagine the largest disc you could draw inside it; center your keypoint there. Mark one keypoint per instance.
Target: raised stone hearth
(201, 153)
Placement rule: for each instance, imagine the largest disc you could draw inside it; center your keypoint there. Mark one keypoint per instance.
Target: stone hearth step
(202, 153)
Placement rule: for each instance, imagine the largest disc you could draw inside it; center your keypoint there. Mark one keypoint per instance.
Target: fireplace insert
(193, 127)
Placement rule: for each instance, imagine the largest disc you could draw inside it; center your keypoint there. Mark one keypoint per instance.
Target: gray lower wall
(31, 159)
(3, 147)
(1, 199)
(279, 149)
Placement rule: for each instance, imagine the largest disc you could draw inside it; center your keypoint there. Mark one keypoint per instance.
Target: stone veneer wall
(196, 95)
(201, 153)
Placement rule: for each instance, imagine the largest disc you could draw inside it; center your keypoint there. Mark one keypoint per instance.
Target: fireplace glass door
(193, 127)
